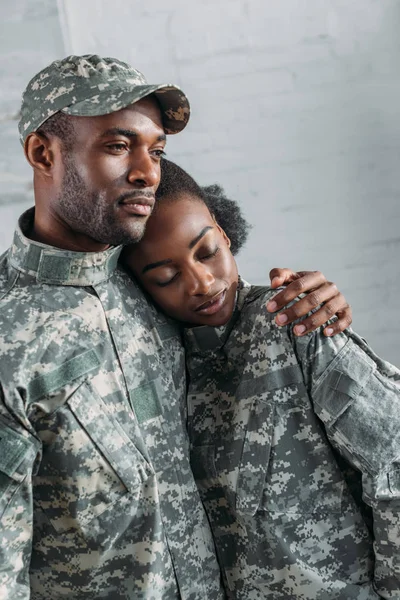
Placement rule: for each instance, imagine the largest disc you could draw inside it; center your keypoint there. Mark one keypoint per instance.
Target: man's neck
(63, 238)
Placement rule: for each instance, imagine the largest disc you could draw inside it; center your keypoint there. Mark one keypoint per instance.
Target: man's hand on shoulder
(319, 293)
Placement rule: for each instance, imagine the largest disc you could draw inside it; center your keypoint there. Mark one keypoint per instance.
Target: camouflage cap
(89, 86)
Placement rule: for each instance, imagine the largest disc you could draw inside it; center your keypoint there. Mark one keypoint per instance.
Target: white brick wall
(295, 112)
(30, 38)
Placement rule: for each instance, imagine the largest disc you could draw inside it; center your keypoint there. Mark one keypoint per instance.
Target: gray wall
(295, 112)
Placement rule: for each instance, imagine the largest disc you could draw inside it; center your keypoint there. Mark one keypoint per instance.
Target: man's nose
(199, 280)
(144, 170)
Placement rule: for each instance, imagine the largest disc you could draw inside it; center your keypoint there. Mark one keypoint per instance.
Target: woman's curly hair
(228, 215)
(227, 212)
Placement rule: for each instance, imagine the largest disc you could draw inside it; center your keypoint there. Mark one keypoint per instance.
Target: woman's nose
(199, 281)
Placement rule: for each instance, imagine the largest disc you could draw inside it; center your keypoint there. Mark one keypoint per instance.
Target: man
(100, 499)
(97, 499)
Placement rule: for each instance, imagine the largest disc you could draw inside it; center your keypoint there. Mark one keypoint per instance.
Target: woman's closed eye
(207, 254)
(202, 254)
(165, 283)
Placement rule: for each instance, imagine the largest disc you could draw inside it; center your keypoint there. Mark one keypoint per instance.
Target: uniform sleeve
(18, 452)
(382, 493)
(357, 397)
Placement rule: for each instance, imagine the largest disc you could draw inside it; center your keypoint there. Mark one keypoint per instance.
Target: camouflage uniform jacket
(295, 446)
(97, 499)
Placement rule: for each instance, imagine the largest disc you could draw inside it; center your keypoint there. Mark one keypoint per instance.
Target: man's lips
(213, 305)
(140, 205)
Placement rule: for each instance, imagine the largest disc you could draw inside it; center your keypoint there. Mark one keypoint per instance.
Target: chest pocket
(287, 465)
(89, 462)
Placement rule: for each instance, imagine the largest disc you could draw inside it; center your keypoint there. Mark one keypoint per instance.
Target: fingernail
(275, 281)
(272, 306)
(299, 329)
(328, 331)
(281, 319)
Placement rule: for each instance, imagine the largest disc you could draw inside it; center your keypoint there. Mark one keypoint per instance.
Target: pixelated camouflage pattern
(97, 499)
(287, 435)
(90, 85)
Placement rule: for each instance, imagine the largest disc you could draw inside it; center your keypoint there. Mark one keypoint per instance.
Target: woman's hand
(319, 292)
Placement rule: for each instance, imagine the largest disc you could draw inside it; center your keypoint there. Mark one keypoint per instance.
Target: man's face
(111, 172)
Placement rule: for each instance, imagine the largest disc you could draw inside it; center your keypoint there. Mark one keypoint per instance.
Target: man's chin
(123, 236)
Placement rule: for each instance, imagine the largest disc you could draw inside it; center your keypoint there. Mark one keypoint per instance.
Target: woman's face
(185, 263)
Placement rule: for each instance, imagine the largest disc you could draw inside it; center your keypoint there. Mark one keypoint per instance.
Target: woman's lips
(212, 306)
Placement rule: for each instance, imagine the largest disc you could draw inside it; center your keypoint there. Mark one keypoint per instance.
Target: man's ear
(39, 152)
(227, 240)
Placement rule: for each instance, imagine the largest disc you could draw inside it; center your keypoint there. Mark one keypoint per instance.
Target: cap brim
(175, 107)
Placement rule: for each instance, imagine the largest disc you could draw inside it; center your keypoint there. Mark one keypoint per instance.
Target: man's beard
(89, 213)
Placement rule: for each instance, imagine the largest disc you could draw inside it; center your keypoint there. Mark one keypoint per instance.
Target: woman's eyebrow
(198, 237)
(160, 263)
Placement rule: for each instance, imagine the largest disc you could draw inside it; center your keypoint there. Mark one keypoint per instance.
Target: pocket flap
(66, 373)
(348, 375)
(109, 437)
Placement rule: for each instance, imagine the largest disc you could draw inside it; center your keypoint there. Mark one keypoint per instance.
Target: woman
(294, 440)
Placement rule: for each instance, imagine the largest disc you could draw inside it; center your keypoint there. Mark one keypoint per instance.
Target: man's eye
(159, 153)
(117, 147)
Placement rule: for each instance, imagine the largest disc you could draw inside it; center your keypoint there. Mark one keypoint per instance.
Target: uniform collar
(59, 267)
(204, 338)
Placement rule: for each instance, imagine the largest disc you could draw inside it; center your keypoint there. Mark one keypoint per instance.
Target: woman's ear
(227, 240)
(39, 152)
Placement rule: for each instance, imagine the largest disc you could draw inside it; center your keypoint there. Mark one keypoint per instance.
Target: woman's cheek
(166, 300)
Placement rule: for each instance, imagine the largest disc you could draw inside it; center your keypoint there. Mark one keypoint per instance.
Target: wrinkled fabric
(97, 499)
(295, 445)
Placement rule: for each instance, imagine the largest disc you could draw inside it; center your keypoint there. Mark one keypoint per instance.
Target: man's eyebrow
(160, 263)
(198, 237)
(128, 133)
